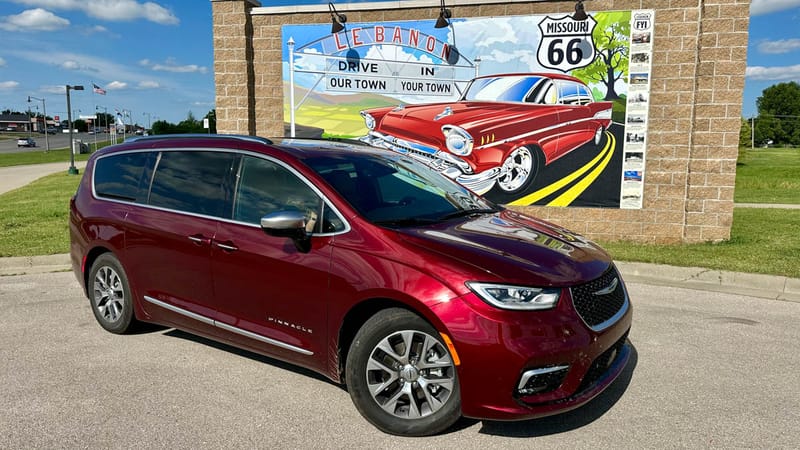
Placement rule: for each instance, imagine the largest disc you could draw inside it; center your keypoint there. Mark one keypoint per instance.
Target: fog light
(538, 381)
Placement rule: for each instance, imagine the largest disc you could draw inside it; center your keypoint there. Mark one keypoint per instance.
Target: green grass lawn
(33, 219)
(768, 175)
(762, 241)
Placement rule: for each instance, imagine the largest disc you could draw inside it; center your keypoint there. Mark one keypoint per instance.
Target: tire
(417, 399)
(110, 295)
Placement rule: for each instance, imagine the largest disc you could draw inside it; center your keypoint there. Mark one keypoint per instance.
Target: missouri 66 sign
(566, 43)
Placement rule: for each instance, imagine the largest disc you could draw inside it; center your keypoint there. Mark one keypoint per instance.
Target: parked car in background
(502, 131)
(26, 142)
(426, 300)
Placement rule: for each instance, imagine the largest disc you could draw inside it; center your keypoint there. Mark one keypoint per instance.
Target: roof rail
(240, 137)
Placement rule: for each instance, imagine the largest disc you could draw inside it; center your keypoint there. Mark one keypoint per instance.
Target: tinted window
(393, 188)
(124, 176)
(265, 187)
(192, 181)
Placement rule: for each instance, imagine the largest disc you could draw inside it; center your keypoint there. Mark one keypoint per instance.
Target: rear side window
(124, 176)
(193, 181)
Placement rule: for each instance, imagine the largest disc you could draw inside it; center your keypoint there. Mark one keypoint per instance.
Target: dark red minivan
(427, 301)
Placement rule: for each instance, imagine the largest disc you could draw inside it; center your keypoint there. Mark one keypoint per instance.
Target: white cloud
(53, 89)
(8, 84)
(781, 73)
(2, 62)
(33, 20)
(116, 85)
(148, 84)
(170, 65)
(761, 7)
(779, 47)
(111, 10)
(72, 64)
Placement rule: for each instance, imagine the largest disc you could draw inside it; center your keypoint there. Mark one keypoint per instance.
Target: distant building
(14, 122)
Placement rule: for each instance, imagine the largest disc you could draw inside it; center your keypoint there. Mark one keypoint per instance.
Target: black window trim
(327, 204)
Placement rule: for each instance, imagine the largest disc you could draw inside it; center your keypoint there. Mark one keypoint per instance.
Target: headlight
(506, 296)
(369, 121)
(457, 140)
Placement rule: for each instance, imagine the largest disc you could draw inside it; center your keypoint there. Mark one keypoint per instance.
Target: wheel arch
(355, 318)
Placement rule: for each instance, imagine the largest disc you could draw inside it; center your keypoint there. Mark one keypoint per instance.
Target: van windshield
(394, 190)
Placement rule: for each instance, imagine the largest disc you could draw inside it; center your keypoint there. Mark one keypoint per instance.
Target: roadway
(8, 144)
(709, 370)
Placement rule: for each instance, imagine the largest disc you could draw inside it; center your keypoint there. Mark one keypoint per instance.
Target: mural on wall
(543, 109)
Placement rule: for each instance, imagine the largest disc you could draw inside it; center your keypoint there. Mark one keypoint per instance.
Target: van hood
(513, 248)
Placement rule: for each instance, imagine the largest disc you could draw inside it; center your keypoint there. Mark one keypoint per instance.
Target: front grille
(598, 302)
(601, 365)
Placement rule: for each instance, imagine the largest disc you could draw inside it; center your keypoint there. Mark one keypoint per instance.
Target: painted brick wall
(696, 89)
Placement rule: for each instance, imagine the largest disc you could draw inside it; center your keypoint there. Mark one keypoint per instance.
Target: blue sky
(155, 59)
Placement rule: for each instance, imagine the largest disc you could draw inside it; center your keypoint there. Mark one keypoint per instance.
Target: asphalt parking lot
(709, 370)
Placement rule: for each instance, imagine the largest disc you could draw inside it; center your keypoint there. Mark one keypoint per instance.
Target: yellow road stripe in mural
(568, 197)
(547, 190)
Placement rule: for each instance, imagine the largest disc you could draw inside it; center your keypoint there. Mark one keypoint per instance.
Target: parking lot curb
(697, 278)
(21, 265)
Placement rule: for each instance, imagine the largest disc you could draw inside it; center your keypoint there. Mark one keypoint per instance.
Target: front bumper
(523, 365)
(441, 161)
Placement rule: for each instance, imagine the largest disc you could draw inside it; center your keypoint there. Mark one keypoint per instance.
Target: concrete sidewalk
(14, 177)
(755, 285)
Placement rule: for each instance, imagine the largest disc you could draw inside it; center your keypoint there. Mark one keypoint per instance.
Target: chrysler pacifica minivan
(425, 300)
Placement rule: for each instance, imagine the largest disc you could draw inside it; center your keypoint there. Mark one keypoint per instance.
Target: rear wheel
(401, 375)
(110, 295)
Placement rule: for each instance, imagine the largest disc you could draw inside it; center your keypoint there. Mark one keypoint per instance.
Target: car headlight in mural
(501, 132)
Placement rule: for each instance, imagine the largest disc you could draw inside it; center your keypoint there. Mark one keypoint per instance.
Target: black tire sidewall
(127, 319)
(371, 333)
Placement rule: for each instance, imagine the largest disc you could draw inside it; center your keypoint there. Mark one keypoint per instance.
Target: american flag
(98, 90)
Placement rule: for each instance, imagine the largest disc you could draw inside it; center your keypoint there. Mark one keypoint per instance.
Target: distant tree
(611, 44)
(80, 125)
(779, 114)
(745, 133)
(190, 125)
(163, 127)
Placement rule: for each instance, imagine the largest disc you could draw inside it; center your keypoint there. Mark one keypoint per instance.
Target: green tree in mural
(611, 37)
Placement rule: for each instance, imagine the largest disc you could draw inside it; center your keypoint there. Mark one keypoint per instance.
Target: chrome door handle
(227, 246)
(200, 239)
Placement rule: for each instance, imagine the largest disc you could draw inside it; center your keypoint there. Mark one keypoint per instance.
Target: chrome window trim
(226, 327)
(328, 203)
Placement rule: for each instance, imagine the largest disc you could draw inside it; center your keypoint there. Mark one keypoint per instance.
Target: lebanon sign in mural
(542, 109)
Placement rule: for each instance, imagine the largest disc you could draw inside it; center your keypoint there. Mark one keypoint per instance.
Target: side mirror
(288, 223)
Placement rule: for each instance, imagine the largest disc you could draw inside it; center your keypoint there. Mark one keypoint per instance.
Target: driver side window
(265, 187)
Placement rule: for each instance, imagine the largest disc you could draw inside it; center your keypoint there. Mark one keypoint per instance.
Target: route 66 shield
(566, 43)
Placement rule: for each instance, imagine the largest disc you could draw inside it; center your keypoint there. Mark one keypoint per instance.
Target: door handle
(200, 239)
(227, 246)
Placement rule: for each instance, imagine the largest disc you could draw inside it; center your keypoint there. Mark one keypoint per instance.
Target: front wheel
(598, 135)
(110, 295)
(401, 375)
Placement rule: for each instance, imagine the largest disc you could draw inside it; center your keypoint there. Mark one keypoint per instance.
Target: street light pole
(72, 169)
(44, 108)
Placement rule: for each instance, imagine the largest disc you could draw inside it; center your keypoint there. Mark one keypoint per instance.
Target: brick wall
(696, 88)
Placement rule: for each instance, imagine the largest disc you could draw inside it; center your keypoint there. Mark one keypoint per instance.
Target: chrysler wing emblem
(608, 289)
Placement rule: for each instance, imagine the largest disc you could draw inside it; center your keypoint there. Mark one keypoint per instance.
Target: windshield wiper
(468, 212)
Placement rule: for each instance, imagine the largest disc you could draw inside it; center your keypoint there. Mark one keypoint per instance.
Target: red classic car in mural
(501, 132)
